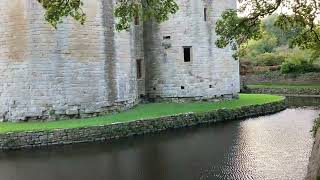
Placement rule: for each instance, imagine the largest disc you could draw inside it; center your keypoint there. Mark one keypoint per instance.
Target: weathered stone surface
(114, 131)
(314, 163)
(278, 77)
(284, 91)
(211, 73)
(82, 71)
(47, 73)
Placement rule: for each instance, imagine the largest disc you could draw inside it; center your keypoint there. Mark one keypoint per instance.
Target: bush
(298, 62)
(269, 59)
(302, 67)
(253, 48)
(275, 68)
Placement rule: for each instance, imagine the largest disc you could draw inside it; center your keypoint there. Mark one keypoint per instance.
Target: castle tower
(182, 60)
(70, 72)
(81, 71)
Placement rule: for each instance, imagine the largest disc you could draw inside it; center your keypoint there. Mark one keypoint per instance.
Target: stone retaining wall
(107, 132)
(284, 91)
(278, 77)
(314, 163)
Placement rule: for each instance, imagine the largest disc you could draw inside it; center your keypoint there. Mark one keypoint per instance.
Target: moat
(270, 147)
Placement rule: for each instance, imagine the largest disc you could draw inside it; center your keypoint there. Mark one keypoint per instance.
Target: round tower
(181, 56)
(75, 71)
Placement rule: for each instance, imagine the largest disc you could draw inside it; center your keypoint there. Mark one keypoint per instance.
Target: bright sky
(281, 10)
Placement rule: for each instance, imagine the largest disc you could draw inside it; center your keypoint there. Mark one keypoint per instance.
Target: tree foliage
(272, 50)
(125, 10)
(158, 10)
(57, 9)
(265, 49)
(297, 16)
(268, 26)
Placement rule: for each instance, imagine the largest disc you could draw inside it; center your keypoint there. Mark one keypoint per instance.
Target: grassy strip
(142, 111)
(269, 85)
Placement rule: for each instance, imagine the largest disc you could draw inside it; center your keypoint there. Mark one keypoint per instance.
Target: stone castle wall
(212, 71)
(70, 71)
(80, 71)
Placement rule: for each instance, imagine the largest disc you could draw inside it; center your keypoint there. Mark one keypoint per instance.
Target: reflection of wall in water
(296, 101)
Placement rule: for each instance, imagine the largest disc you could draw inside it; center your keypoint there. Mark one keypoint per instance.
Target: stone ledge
(20, 140)
(278, 77)
(284, 91)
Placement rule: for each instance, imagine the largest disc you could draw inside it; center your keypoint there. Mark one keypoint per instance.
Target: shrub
(275, 68)
(301, 67)
(269, 59)
(298, 61)
(253, 48)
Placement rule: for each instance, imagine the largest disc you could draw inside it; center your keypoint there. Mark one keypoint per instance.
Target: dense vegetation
(300, 17)
(274, 51)
(142, 111)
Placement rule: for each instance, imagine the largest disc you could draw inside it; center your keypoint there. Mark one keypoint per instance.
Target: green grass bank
(142, 112)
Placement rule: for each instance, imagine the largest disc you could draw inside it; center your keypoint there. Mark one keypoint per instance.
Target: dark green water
(270, 147)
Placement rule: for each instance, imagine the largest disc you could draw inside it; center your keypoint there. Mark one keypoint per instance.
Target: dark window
(166, 37)
(182, 87)
(139, 69)
(136, 20)
(187, 54)
(205, 14)
(210, 86)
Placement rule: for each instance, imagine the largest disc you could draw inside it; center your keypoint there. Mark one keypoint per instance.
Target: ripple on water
(270, 147)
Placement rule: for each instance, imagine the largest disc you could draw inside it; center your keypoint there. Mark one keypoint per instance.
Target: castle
(80, 71)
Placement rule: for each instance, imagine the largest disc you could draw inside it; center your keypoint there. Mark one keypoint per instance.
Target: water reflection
(303, 100)
(276, 147)
(272, 147)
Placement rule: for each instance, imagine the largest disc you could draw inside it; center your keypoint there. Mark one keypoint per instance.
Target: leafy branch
(299, 16)
(125, 11)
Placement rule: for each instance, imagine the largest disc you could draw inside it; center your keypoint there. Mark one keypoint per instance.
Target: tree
(268, 26)
(297, 16)
(125, 10)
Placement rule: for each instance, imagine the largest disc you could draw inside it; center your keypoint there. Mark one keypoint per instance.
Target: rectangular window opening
(187, 54)
(166, 37)
(205, 14)
(139, 68)
(136, 20)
